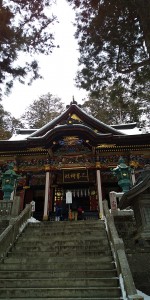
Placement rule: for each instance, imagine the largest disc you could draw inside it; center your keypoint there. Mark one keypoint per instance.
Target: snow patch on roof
(19, 137)
(135, 130)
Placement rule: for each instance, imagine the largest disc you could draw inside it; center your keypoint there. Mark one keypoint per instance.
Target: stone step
(76, 292)
(60, 252)
(60, 260)
(63, 238)
(72, 246)
(59, 282)
(47, 298)
(87, 223)
(66, 225)
(53, 238)
(52, 257)
(58, 273)
(66, 228)
(62, 244)
(58, 265)
(63, 234)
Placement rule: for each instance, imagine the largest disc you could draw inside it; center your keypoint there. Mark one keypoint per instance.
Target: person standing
(58, 213)
(80, 213)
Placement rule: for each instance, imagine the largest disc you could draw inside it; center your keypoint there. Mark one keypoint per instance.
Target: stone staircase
(3, 225)
(60, 260)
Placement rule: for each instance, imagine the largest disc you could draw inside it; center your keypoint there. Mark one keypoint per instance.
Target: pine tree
(25, 28)
(114, 45)
(42, 111)
(8, 124)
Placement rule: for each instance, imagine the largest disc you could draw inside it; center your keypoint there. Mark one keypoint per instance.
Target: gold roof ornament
(75, 117)
(71, 140)
(106, 145)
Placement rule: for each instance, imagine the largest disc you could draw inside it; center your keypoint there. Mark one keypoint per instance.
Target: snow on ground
(146, 297)
(33, 220)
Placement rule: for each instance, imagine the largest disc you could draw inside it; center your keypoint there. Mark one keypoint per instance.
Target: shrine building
(74, 152)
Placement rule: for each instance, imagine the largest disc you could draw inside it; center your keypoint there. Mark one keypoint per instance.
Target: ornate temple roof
(75, 115)
(73, 122)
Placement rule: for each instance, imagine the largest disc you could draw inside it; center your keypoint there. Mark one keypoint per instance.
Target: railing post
(121, 259)
(9, 235)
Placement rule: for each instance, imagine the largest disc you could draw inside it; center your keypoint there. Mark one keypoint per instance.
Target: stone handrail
(9, 235)
(120, 256)
(5, 208)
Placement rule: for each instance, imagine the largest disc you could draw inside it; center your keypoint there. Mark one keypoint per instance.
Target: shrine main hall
(74, 152)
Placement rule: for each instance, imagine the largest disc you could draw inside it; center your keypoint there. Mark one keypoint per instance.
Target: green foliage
(8, 124)
(25, 27)
(114, 45)
(113, 106)
(42, 111)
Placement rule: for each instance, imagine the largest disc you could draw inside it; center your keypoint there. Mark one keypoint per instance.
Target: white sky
(58, 69)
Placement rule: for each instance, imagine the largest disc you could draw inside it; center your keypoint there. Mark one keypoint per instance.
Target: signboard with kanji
(69, 197)
(75, 176)
(113, 201)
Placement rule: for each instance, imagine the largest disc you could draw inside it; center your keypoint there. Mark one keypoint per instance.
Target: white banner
(68, 197)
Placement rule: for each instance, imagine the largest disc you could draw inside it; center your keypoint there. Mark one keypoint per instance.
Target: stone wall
(138, 253)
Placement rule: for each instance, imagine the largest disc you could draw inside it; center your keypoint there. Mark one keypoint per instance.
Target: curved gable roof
(85, 119)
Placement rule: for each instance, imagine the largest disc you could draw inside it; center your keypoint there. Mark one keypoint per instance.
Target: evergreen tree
(42, 111)
(113, 106)
(25, 27)
(8, 124)
(114, 45)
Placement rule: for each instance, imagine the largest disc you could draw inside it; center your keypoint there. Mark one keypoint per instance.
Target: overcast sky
(58, 69)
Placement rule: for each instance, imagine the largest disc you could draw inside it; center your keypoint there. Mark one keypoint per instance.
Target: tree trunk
(143, 9)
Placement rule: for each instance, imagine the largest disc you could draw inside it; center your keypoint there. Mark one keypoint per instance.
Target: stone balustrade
(5, 209)
(123, 268)
(10, 234)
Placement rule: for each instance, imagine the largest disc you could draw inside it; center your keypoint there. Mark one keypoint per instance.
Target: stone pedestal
(139, 199)
(142, 216)
(113, 196)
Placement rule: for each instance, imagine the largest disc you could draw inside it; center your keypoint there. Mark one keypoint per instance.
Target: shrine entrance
(82, 185)
(85, 197)
(80, 197)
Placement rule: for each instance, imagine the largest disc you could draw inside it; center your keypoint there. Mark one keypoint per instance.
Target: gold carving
(47, 168)
(71, 140)
(134, 164)
(106, 145)
(36, 149)
(98, 165)
(75, 117)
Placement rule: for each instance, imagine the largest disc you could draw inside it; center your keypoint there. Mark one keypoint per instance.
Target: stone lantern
(123, 173)
(8, 181)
